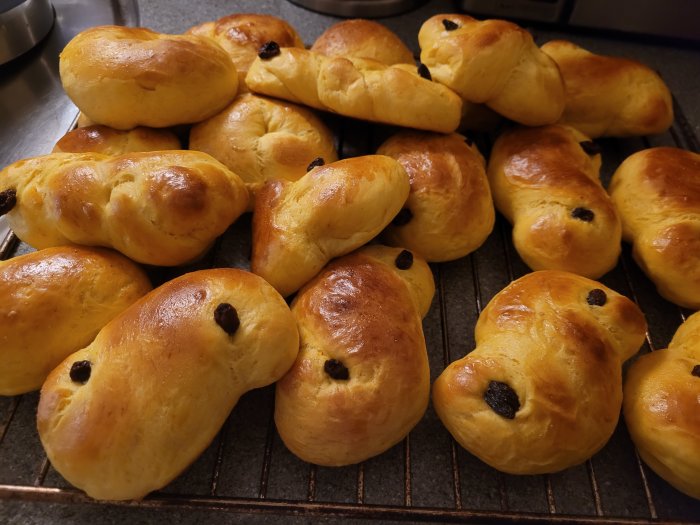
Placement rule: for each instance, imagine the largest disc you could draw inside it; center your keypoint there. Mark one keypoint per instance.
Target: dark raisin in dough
(269, 49)
(80, 371)
(583, 214)
(596, 297)
(318, 161)
(8, 199)
(696, 371)
(404, 260)
(502, 399)
(226, 317)
(449, 24)
(336, 369)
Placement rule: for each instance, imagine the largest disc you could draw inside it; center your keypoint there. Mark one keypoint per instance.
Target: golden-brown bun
(125, 77)
(548, 187)
(242, 35)
(657, 193)
(356, 87)
(84, 121)
(56, 301)
(362, 315)
(162, 208)
(542, 390)
(364, 39)
(299, 226)
(496, 63)
(661, 405)
(449, 211)
(610, 96)
(108, 141)
(163, 377)
(260, 139)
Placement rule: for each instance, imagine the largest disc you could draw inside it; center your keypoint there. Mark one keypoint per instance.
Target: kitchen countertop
(678, 63)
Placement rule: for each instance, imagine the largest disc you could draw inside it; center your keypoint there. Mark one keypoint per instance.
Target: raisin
(696, 371)
(226, 317)
(8, 199)
(403, 217)
(449, 24)
(424, 72)
(336, 369)
(597, 297)
(583, 214)
(318, 161)
(404, 260)
(502, 399)
(80, 371)
(590, 147)
(269, 49)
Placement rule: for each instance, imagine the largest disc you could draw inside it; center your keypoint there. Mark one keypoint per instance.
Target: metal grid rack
(427, 477)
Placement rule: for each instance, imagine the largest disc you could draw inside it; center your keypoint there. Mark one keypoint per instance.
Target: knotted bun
(356, 87)
(259, 138)
(542, 390)
(493, 62)
(162, 208)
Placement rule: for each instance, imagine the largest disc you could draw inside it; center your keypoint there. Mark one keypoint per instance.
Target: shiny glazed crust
(56, 301)
(450, 201)
(299, 226)
(108, 141)
(562, 357)
(610, 96)
(657, 192)
(259, 138)
(162, 208)
(164, 377)
(356, 87)
(496, 63)
(364, 39)
(662, 408)
(125, 77)
(363, 312)
(242, 35)
(539, 178)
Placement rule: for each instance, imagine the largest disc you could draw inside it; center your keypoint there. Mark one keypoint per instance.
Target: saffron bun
(123, 77)
(162, 208)
(542, 390)
(58, 299)
(496, 63)
(128, 413)
(657, 193)
(610, 96)
(361, 380)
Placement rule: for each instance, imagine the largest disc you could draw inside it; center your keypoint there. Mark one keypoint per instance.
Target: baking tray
(427, 477)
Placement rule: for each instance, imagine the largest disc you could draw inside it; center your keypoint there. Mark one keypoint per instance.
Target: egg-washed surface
(247, 462)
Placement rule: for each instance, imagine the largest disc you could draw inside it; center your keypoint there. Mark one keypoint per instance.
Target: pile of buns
(135, 383)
